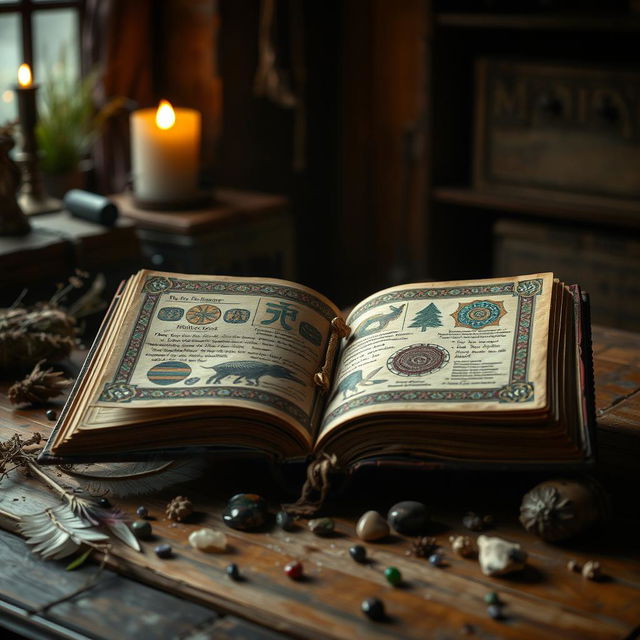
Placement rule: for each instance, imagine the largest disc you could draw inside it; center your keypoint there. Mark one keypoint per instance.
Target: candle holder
(32, 197)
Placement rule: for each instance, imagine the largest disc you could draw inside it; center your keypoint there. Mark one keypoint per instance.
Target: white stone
(498, 556)
(208, 540)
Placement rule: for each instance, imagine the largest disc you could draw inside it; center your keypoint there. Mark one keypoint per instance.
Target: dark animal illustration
(377, 322)
(250, 370)
(353, 380)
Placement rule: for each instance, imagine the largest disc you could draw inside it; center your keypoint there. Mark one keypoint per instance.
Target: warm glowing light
(7, 96)
(165, 115)
(24, 75)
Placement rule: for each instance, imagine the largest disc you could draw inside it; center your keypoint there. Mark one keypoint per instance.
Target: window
(44, 34)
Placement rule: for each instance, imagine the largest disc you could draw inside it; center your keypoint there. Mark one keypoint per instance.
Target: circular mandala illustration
(478, 314)
(203, 314)
(169, 372)
(418, 360)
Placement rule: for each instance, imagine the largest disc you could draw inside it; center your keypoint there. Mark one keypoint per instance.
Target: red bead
(293, 570)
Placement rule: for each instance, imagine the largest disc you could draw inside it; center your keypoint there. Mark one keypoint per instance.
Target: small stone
(393, 575)
(245, 511)
(141, 529)
(232, 571)
(492, 598)
(591, 570)
(463, 545)
(163, 551)
(321, 526)
(408, 517)
(294, 570)
(373, 609)
(285, 520)
(436, 559)
(498, 556)
(473, 521)
(372, 526)
(495, 612)
(104, 502)
(572, 565)
(208, 540)
(358, 553)
(51, 414)
(142, 512)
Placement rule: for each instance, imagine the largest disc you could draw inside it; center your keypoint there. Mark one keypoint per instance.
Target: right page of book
(460, 346)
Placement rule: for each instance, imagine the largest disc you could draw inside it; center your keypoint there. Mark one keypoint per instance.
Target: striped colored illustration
(169, 372)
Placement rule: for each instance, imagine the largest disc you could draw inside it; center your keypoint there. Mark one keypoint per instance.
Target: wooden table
(189, 596)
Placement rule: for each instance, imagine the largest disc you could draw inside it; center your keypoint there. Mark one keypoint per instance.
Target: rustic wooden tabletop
(189, 595)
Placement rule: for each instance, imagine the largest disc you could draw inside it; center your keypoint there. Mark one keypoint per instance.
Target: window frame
(26, 8)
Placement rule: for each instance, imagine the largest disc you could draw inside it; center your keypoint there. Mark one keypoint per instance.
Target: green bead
(141, 529)
(492, 598)
(393, 575)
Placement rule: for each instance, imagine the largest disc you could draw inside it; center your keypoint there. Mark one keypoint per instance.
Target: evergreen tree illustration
(427, 317)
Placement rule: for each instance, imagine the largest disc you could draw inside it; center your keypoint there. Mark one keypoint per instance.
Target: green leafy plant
(68, 122)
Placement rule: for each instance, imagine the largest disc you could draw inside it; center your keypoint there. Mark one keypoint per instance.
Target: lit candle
(27, 113)
(165, 149)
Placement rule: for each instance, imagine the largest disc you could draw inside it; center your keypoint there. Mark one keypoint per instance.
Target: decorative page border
(519, 389)
(120, 390)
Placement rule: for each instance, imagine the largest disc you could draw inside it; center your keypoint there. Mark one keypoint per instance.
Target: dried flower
(39, 386)
(179, 508)
(424, 546)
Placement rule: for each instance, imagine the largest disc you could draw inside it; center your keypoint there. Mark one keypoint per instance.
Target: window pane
(10, 60)
(56, 44)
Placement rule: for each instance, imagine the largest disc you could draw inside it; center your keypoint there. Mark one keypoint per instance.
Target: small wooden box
(543, 128)
(605, 265)
(241, 233)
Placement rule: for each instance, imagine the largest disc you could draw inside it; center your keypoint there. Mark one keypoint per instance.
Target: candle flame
(165, 115)
(24, 75)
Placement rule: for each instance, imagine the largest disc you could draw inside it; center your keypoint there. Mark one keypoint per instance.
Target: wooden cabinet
(533, 152)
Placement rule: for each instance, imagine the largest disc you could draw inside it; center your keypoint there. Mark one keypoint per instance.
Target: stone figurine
(13, 221)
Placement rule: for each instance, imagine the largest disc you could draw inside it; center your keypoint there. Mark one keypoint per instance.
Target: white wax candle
(165, 161)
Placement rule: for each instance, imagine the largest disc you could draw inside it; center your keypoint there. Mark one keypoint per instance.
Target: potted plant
(67, 126)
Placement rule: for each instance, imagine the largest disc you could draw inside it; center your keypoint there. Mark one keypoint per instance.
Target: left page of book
(187, 343)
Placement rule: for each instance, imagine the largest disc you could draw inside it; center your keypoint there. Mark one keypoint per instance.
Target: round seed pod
(562, 508)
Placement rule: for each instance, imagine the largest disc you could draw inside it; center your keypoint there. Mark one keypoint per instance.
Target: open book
(489, 372)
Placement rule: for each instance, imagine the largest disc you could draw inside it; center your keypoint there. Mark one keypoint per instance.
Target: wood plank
(29, 586)
(558, 206)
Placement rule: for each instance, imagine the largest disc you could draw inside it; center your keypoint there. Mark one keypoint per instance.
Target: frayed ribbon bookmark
(316, 486)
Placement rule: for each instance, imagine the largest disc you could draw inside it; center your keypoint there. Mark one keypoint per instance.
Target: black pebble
(373, 608)
(51, 414)
(163, 551)
(103, 502)
(142, 512)
(495, 611)
(285, 520)
(358, 553)
(232, 571)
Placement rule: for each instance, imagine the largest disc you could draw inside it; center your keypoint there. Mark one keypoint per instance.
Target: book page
(197, 341)
(470, 346)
